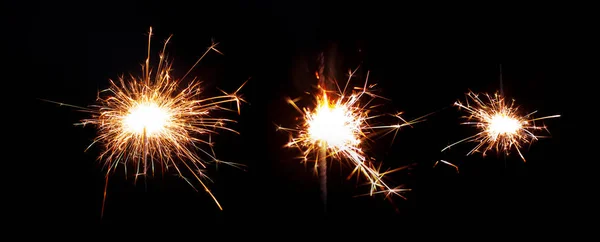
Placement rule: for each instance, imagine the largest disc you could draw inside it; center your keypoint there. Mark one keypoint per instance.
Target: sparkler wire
(323, 172)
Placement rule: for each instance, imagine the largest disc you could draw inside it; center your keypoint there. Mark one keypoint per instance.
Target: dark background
(423, 57)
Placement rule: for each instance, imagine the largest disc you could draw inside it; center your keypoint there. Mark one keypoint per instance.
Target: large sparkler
(338, 127)
(501, 125)
(152, 123)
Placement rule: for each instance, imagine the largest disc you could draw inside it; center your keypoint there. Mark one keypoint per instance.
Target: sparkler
(151, 123)
(338, 127)
(501, 125)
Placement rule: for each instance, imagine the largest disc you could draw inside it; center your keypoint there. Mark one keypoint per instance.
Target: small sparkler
(501, 125)
(153, 123)
(339, 126)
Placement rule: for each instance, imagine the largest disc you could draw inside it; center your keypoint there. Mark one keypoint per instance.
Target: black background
(423, 58)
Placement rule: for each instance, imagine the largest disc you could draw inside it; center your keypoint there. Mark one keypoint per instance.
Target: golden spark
(152, 123)
(447, 163)
(339, 126)
(501, 125)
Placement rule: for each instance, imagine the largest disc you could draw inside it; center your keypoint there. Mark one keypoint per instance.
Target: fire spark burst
(151, 123)
(338, 127)
(500, 123)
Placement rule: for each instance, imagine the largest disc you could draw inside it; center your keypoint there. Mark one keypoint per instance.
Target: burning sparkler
(338, 127)
(151, 123)
(501, 125)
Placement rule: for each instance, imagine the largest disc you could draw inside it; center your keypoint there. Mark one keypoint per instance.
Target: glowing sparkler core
(502, 128)
(502, 125)
(147, 119)
(334, 124)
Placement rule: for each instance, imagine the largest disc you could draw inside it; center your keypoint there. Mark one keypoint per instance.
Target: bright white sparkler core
(335, 125)
(503, 125)
(148, 116)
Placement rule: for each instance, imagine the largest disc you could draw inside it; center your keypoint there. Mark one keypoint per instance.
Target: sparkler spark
(500, 124)
(447, 163)
(152, 123)
(339, 126)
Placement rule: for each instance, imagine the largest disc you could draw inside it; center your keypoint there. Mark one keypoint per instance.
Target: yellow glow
(148, 117)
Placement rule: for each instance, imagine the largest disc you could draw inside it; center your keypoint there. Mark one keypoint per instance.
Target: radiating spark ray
(212, 47)
(67, 105)
(447, 163)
